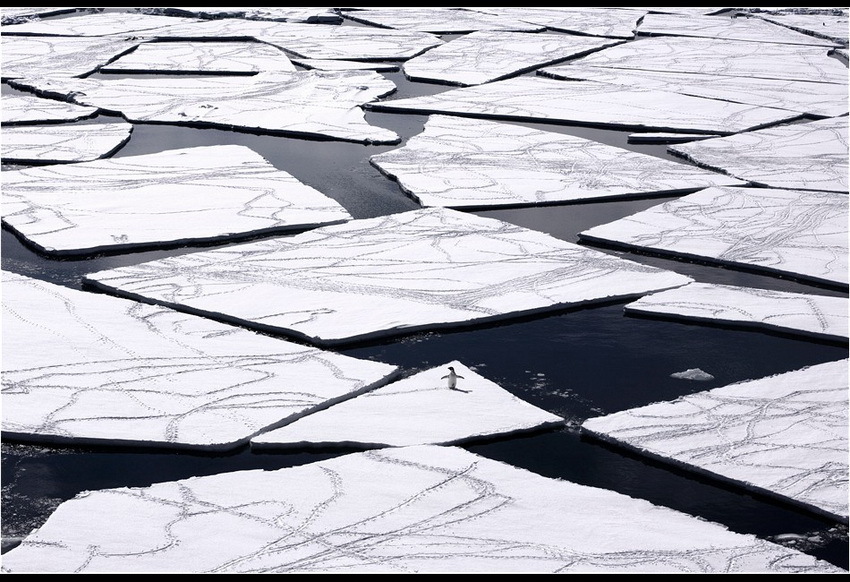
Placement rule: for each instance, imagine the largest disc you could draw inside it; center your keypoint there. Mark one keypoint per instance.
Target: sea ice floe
(542, 100)
(805, 97)
(420, 509)
(809, 156)
(62, 143)
(831, 26)
(27, 56)
(733, 58)
(202, 58)
(310, 41)
(725, 28)
(389, 275)
(797, 233)
(458, 162)
(99, 24)
(87, 368)
(438, 20)
(29, 109)
(484, 56)
(198, 194)
(417, 410)
(606, 22)
(299, 103)
(275, 13)
(806, 314)
(784, 435)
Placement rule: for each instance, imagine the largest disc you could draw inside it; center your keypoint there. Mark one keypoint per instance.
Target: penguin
(452, 377)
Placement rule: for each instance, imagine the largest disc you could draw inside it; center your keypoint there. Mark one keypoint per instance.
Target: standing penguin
(452, 377)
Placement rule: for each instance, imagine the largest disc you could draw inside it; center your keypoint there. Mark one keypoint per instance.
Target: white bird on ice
(452, 376)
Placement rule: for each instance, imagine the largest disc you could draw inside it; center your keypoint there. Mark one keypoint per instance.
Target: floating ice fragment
(693, 374)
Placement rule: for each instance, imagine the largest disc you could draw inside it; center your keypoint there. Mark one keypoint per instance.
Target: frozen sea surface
(85, 368)
(424, 509)
(173, 197)
(796, 233)
(371, 278)
(785, 435)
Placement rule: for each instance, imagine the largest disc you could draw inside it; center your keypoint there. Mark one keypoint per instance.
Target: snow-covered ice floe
(28, 56)
(722, 27)
(389, 275)
(804, 97)
(458, 162)
(798, 233)
(62, 143)
(28, 109)
(202, 58)
(176, 196)
(439, 20)
(784, 436)
(606, 22)
(708, 56)
(544, 100)
(805, 314)
(87, 368)
(421, 509)
(298, 103)
(420, 409)
(484, 56)
(807, 156)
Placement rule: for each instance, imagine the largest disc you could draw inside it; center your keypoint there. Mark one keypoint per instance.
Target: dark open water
(575, 363)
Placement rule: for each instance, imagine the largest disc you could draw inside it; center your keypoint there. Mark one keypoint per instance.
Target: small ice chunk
(693, 374)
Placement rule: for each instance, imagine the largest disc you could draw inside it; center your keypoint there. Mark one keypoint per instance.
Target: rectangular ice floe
(723, 27)
(27, 56)
(458, 162)
(450, 404)
(784, 232)
(438, 20)
(809, 156)
(63, 143)
(297, 103)
(19, 109)
(424, 509)
(804, 97)
(176, 196)
(87, 368)
(605, 104)
(708, 56)
(609, 22)
(819, 316)
(387, 276)
(487, 55)
(202, 58)
(99, 24)
(784, 435)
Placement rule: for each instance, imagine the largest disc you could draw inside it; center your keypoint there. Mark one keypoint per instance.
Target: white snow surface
(202, 57)
(544, 100)
(389, 275)
(86, 368)
(420, 409)
(422, 509)
(62, 143)
(792, 232)
(458, 162)
(807, 156)
(33, 109)
(300, 103)
(784, 435)
(487, 55)
(806, 314)
(175, 196)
